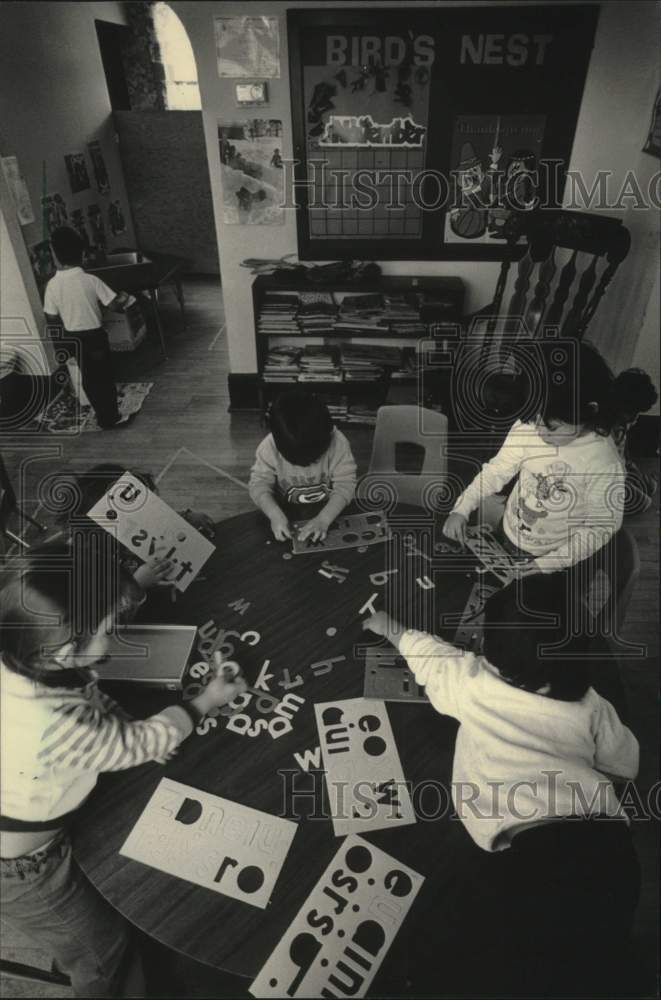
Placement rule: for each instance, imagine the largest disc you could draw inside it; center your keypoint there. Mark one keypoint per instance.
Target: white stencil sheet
(144, 523)
(493, 556)
(344, 929)
(212, 842)
(348, 532)
(364, 777)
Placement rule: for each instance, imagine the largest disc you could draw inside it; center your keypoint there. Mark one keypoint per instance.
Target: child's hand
(280, 526)
(316, 529)
(455, 527)
(202, 522)
(383, 624)
(218, 692)
(153, 573)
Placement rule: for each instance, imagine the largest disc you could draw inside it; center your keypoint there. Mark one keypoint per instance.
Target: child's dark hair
(578, 387)
(635, 392)
(515, 633)
(301, 426)
(58, 594)
(68, 245)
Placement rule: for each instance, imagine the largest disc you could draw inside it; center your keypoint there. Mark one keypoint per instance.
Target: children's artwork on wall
(116, 220)
(54, 212)
(247, 46)
(77, 171)
(209, 841)
(99, 167)
(653, 144)
(494, 168)
(18, 188)
(42, 261)
(251, 172)
(389, 103)
(344, 929)
(96, 225)
(146, 525)
(78, 223)
(364, 777)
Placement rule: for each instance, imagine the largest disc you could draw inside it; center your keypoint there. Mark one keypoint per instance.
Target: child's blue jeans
(47, 897)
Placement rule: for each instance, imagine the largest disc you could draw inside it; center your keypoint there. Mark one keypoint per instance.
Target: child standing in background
(567, 500)
(59, 732)
(75, 298)
(545, 906)
(303, 467)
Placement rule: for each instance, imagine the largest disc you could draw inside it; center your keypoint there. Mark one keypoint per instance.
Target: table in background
(148, 275)
(291, 606)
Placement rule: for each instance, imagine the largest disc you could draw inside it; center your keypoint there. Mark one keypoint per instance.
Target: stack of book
(366, 362)
(282, 364)
(319, 364)
(362, 314)
(411, 364)
(361, 413)
(317, 313)
(278, 314)
(338, 406)
(403, 316)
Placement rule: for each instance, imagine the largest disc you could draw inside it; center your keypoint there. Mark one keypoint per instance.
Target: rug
(65, 415)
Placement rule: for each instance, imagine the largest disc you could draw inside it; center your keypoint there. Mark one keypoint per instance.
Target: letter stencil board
(346, 533)
(212, 842)
(344, 929)
(388, 678)
(364, 777)
(145, 525)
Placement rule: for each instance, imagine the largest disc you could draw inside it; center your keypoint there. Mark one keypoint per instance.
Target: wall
(611, 129)
(167, 176)
(55, 100)
(646, 355)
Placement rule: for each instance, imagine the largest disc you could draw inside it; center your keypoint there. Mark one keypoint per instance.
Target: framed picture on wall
(421, 133)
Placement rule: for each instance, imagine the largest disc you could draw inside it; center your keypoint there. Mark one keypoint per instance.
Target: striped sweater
(56, 740)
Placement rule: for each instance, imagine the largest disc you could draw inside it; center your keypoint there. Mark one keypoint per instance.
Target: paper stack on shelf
(366, 362)
(337, 406)
(278, 314)
(282, 364)
(404, 316)
(361, 413)
(317, 313)
(410, 365)
(318, 363)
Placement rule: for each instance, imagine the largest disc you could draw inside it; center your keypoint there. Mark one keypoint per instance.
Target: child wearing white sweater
(303, 469)
(568, 496)
(535, 758)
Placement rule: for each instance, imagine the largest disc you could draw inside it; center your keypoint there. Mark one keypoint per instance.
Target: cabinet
(350, 342)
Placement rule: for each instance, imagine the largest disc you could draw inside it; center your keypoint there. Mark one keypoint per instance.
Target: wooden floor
(204, 452)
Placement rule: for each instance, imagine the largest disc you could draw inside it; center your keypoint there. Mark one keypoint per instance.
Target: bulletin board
(418, 132)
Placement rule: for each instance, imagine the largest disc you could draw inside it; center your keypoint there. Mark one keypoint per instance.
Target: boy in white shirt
(74, 298)
(303, 469)
(532, 782)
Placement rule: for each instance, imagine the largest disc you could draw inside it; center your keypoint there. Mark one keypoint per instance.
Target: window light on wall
(182, 91)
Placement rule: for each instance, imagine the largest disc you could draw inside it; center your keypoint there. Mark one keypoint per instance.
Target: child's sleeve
(604, 500)
(104, 294)
(497, 471)
(263, 475)
(342, 469)
(51, 307)
(616, 748)
(440, 667)
(87, 738)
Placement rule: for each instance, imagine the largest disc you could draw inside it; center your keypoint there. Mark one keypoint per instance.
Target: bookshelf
(349, 342)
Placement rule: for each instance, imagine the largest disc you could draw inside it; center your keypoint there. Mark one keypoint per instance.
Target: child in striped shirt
(59, 732)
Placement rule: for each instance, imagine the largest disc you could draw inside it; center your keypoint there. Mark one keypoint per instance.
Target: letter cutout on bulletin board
(364, 777)
(212, 842)
(344, 929)
(143, 523)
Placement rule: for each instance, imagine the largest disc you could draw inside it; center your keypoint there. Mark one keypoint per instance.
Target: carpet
(65, 415)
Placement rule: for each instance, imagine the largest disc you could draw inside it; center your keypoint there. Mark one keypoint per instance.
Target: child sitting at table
(553, 890)
(303, 467)
(87, 488)
(59, 732)
(75, 298)
(568, 496)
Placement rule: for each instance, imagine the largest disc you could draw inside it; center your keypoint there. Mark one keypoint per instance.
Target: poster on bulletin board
(423, 133)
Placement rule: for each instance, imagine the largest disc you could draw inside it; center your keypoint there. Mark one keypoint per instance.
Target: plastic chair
(422, 429)
(614, 573)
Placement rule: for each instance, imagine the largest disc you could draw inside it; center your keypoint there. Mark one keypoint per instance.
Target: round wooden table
(294, 609)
